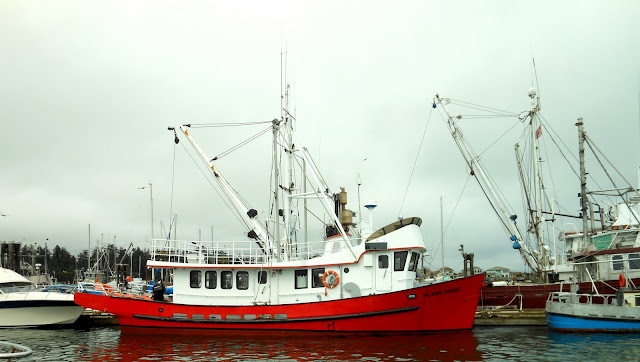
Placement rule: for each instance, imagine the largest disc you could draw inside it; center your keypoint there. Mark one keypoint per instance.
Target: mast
(442, 235)
(276, 177)
(499, 206)
(151, 198)
(537, 181)
(583, 185)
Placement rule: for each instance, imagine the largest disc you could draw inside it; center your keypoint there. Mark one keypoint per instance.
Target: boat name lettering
(440, 292)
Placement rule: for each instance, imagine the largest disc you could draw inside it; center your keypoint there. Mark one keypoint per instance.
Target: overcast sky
(88, 89)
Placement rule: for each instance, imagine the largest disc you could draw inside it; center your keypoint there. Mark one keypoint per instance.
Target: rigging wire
(243, 143)
(173, 178)
(498, 139)
(416, 160)
(226, 124)
(480, 107)
(233, 211)
(609, 176)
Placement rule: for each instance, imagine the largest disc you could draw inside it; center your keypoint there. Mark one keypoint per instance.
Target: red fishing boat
(354, 279)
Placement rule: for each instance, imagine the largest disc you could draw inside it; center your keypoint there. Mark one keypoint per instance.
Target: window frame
(635, 263)
(413, 262)
(617, 262)
(385, 264)
(208, 280)
(224, 280)
(300, 273)
(317, 282)
(239, 284)
(400, 260)
(262, 277)
(196, 282)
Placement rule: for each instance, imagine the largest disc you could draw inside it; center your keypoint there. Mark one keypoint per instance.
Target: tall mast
(276, 190)
(537, 180)
(442, 236)
(151, 198)
(583, 184)
(287, 186)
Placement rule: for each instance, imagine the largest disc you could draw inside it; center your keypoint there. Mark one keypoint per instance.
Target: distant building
(498, 273)
(448, 272)
(477, 270)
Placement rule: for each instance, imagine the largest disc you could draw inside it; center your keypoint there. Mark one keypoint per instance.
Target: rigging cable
(173, 178)
(243, 143)
(233, 211)
(416, 160)
(228, 124)
(589, 143)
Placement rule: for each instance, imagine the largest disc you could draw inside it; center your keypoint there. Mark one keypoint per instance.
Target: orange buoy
(330, 279)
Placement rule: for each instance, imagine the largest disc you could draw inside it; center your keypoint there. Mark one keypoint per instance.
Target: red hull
(535, 295)
(445, 306)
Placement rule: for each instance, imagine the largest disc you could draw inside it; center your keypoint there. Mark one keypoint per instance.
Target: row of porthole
(230, 316)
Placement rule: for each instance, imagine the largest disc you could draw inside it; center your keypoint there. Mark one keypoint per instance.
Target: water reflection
(293, 346)
(483, 343)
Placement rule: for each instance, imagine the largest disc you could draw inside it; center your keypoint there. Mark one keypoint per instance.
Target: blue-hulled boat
(578, 312)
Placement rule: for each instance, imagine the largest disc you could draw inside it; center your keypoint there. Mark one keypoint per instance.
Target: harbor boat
(593, 262)
(579, 312)
(23, 305)
(355, 278)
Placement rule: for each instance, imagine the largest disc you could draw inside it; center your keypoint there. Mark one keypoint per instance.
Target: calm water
(483, 343)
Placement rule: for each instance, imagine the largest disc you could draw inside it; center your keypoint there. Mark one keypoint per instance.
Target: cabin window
(399, 260)
(383, 261)
(262, 277)
(316, 278)
(413, 263)
(242, 280)
(616, 265)
(301, 279)
(211, 279)
(195, 278)
(634, 261)
(226, 280)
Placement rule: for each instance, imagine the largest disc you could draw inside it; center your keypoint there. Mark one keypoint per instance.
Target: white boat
(23, 305)
(577, 312)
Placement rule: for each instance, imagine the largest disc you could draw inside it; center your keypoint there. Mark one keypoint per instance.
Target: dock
(96, 318)
(510, 317)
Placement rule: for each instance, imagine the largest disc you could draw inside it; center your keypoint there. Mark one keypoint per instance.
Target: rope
(415, 162)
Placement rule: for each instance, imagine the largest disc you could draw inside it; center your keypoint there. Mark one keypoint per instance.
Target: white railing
(575, 298)
(236, 252)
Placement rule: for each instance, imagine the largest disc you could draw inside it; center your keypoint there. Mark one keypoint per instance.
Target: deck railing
(574, 298)
(237, 252)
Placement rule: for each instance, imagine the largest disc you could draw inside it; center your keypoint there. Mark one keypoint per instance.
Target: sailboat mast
(583, 184)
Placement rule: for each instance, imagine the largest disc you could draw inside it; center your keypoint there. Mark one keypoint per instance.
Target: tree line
(64, 266)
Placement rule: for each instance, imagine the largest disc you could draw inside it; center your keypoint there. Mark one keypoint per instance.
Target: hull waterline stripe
(267, 321)
(625, 320)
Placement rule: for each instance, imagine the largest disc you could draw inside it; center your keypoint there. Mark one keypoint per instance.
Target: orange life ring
(330, 279)
(622, 281)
